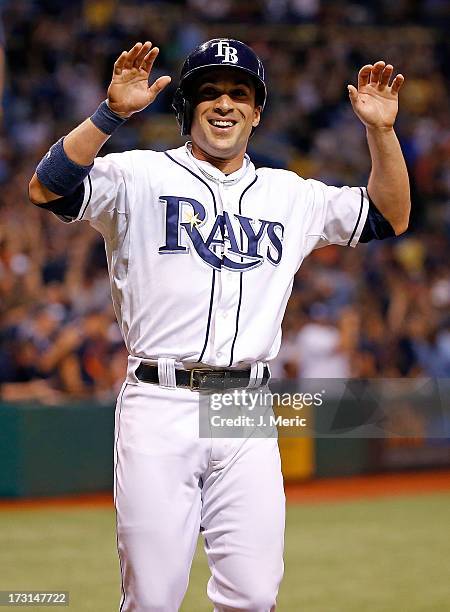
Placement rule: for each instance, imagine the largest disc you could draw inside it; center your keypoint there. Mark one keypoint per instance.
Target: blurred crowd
(380, 310)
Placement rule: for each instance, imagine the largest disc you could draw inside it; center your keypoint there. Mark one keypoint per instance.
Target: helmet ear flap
(183, 111)
(187, 117)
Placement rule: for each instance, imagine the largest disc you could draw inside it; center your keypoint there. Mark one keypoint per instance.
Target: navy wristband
(105, 120)
(59, 173)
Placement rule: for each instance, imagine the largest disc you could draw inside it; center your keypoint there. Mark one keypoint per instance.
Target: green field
(366, 556)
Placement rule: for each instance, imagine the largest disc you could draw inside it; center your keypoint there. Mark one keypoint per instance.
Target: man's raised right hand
(129, 91)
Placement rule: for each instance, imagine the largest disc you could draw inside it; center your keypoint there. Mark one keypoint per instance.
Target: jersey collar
(214, 174)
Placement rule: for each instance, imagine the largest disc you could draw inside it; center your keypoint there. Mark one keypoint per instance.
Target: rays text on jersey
(235, 242)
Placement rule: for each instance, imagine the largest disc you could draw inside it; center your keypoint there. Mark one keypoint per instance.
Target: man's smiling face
(224, 112)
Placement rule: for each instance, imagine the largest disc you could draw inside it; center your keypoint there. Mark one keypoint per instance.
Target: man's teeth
(218, 123)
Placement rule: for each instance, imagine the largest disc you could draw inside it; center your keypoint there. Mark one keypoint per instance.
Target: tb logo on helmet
(225, 50)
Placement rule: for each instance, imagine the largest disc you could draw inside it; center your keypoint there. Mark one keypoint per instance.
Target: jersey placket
(229, 290)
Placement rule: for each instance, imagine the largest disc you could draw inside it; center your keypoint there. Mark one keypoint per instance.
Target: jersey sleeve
(104, 194)
(336, 214)
(376, 226)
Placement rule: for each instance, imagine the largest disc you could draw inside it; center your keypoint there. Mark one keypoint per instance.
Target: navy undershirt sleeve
(376, 226)
(67, 207)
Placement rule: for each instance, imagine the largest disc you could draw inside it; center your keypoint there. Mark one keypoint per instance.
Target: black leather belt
(203, 379)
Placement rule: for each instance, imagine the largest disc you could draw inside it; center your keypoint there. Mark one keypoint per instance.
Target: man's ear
(256, 116)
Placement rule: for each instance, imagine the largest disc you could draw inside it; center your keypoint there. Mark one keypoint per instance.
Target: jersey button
(225, 315)
(218, 354)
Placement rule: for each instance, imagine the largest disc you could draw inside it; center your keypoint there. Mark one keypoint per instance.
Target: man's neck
(227, 166)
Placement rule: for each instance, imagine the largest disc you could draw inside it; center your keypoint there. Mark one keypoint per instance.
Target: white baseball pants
(169, 483)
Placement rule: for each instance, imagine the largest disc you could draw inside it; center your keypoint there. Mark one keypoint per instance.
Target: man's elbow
(401, 226)
(35, 191)
(38, 194)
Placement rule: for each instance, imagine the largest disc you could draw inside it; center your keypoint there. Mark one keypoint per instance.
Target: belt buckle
(193, 386)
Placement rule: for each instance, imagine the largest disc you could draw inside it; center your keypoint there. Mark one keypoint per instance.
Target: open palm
(129, 90)
(375, 101)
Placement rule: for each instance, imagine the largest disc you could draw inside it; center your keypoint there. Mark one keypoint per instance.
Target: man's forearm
(84, 142)
(388, 185)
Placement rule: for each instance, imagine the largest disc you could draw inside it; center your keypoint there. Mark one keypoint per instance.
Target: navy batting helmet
(218, 52)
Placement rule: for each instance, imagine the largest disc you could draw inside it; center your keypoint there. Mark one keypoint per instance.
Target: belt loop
(256, 374)
(166, 372)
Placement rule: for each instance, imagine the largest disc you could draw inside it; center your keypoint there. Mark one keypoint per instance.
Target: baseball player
(202, 249)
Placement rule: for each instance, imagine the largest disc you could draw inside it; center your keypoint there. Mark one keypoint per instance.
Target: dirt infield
(89, 500)
(314, 491)
(368, 487)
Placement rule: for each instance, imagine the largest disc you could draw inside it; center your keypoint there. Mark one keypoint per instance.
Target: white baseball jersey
(202, 263)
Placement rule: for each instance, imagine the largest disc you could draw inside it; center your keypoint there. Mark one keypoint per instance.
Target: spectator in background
(2, 67)
(325, 346)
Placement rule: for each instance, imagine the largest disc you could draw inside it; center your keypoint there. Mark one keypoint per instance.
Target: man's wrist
(380, 129)
(106, 120)
(118, 113)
